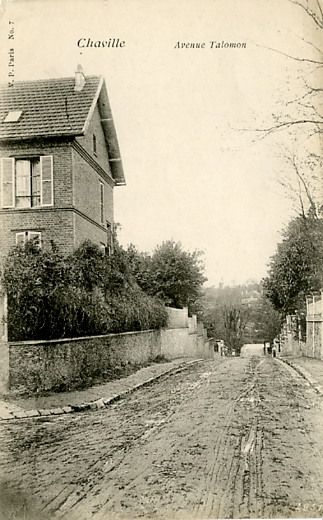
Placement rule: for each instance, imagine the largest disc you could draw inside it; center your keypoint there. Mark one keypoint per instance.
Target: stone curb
(93, 405)
(301, 371)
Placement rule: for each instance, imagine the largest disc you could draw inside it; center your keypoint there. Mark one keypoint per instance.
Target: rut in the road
(231, 440)
(238, 465)
(152, 427)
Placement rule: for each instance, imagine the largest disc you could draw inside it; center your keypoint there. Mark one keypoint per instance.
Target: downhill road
(253, 349)
(236, 439)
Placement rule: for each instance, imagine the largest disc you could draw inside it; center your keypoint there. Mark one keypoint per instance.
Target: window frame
(27, 182)
(27, 235)
(46, 176)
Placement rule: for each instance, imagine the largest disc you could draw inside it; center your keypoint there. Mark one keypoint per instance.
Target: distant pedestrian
(276, 347)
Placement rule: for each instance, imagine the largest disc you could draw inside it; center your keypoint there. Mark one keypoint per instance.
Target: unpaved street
(240, 439)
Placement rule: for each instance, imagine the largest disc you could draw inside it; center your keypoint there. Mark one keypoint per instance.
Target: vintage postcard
(161, 257)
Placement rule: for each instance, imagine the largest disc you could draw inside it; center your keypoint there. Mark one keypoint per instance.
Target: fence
(314, 326)
(291, 339)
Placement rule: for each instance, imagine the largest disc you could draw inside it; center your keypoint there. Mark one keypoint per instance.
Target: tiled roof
(49, 107)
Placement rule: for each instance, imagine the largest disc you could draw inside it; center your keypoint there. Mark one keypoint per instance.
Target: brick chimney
(79, 79)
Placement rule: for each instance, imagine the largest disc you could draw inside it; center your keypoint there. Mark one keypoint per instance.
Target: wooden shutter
(46, 174)
(7, 182)
(20, 238)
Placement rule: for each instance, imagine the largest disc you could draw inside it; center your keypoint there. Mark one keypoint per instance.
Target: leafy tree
(140, 266)
(264, 322)
(172, 274)
(44, 301)
(297, 267)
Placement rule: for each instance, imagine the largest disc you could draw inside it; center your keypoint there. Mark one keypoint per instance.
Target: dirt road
(242, 439)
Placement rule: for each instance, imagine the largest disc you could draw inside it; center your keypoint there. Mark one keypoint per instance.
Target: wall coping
(81, 338)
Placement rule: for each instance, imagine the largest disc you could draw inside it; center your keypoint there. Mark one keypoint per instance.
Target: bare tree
(304, 110)
(301, 118)
(302, 179)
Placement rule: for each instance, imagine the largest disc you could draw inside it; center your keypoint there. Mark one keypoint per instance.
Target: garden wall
(56, 364)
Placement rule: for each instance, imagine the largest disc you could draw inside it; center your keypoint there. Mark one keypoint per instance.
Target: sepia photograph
(161, 259)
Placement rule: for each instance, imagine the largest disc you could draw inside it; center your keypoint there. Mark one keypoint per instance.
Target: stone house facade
(60, 161)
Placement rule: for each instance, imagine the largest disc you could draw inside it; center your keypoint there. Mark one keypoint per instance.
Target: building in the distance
(60, 161)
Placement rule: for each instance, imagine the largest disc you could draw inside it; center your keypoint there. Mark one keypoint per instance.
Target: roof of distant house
(53, 108)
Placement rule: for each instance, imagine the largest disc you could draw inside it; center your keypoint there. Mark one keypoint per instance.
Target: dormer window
(13, 116)
(94, 145)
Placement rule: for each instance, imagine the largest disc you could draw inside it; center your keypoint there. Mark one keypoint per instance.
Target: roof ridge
(42, 80)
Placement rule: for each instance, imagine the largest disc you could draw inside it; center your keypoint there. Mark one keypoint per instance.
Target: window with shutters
(27, 183)
(23, 236)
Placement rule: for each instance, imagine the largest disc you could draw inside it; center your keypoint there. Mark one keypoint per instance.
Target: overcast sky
(192, 174)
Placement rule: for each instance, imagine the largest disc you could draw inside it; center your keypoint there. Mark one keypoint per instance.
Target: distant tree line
(254, 312)
(240, 314)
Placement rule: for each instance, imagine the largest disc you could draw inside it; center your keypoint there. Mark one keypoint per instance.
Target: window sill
(33, 208)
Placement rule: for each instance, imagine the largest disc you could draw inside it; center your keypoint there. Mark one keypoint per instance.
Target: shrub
(86, 293)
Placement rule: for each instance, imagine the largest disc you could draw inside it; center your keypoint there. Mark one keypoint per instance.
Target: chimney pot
(79, 79)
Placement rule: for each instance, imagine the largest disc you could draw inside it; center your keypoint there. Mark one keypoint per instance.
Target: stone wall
(177, 318)
(174, 343)
(46, 365)
(291, 346)
(57, 364)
